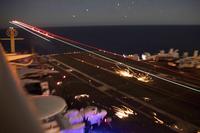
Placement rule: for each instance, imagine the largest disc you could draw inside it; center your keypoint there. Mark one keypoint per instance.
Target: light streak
(33, 33)
(140, 77)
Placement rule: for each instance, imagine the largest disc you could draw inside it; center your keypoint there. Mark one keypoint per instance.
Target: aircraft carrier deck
(154, 106)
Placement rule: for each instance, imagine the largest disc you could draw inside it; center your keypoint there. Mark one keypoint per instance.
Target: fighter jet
(189, 61)
(171, 55)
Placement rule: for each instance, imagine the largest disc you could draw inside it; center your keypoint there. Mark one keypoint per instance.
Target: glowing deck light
(144, 78)
(123, 112)
(146, 99)
(171, 64)
(69, 70)
(154, 113)
(59, 83)
(176, 127)
(78, 97)
(44, 33)
(124, 73)
(158, 121)
(64, 76)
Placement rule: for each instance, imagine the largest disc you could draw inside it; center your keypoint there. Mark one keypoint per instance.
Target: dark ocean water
(120, 39)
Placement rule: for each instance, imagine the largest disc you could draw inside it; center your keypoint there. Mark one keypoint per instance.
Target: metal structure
(12, 33)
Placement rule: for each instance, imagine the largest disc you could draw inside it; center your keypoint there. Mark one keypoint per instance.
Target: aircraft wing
(14, 57)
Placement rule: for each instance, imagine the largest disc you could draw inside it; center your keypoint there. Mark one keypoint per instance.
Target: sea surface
(119, 39)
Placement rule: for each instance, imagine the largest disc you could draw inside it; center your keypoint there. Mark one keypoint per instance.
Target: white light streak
(147, 99)
(31, 32)
(158, 121)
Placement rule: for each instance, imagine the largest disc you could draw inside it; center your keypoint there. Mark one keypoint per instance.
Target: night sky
(101, 12)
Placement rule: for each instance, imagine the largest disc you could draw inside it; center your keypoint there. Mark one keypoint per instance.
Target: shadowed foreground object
(16, 111)
(48, 106)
